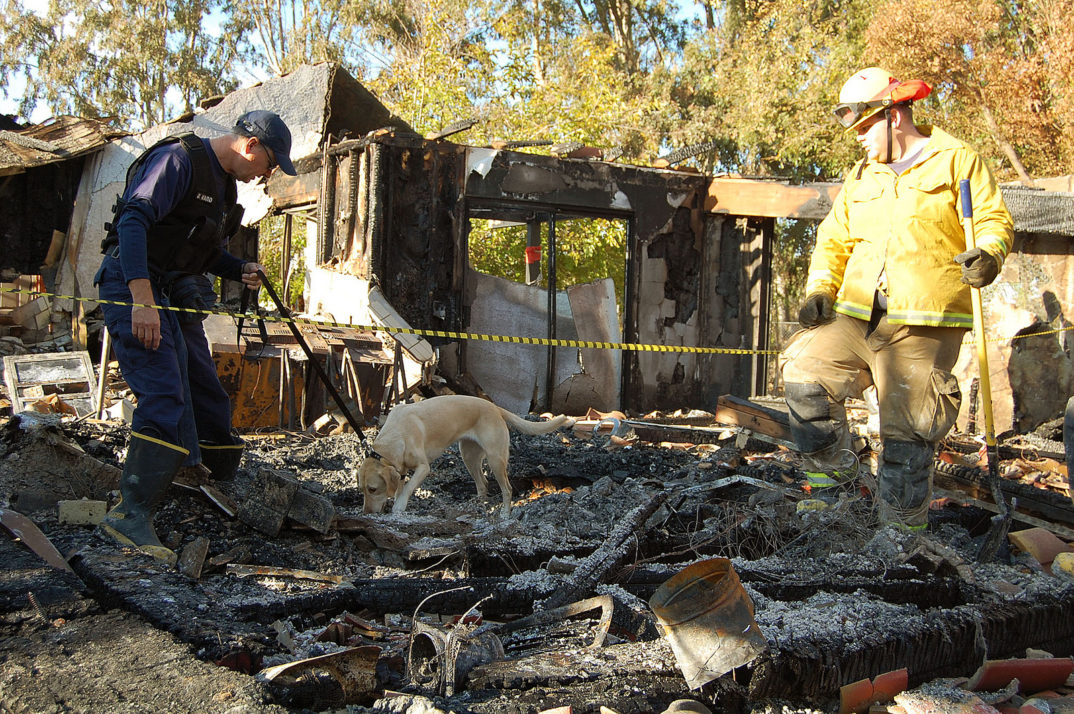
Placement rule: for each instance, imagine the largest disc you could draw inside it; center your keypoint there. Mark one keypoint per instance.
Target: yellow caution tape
(584, 344)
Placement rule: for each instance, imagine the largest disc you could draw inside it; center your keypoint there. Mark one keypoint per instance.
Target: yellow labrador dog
(415, 434)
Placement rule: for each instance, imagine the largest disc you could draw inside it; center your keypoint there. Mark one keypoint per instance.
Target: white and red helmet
(871, 90)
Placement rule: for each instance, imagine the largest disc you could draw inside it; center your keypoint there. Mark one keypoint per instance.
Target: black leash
(286, 313)
(247, 296)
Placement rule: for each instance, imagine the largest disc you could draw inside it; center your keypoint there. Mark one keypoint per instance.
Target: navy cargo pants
(180, 397)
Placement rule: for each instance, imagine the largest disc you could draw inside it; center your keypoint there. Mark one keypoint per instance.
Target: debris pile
(288, 598)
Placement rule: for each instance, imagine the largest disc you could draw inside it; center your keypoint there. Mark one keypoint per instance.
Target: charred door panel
(417, 260)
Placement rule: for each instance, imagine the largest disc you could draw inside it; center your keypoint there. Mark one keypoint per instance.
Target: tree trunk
(1006, 147)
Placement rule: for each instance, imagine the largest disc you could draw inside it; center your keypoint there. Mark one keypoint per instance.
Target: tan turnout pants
(919, 397)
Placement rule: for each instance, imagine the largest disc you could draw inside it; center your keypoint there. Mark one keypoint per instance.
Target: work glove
(979, 268)
(816, 310)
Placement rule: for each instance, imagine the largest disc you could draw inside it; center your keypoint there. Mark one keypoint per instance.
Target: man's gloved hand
(816, 310)
(979, 268)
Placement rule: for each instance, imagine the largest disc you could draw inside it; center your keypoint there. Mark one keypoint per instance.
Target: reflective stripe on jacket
(909, 228)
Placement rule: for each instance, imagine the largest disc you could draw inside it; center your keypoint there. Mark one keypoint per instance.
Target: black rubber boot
(222, 460)
(147, 472)
(817, 421)
(905, 480)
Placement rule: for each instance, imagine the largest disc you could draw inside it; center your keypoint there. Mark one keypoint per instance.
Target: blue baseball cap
(270, 131)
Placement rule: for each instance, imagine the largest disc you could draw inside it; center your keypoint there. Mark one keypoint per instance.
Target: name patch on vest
(204, 197)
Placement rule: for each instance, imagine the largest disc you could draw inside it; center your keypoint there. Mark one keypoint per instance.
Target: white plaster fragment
(676, 199)
(620, 200)
(479, 160)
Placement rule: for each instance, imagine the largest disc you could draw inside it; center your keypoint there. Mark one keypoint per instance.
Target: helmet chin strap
(887, 118)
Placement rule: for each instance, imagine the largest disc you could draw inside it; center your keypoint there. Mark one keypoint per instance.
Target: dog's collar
(375, 455)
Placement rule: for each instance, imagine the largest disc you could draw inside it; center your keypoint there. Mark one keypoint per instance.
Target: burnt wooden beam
(749, 415)
(117, 577)
(399, 595)
(770, 199)
(1033, 211)
(294, 191)
(1032, 501)
(609, 557)
(946, 643)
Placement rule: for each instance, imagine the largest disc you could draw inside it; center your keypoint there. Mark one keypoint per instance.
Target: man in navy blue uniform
(169, 229)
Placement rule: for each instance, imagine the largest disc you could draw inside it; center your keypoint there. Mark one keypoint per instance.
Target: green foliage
(138, 61)
(281, 35)
(586, 250)
(440, 70)
(762, 84)
(270, 249)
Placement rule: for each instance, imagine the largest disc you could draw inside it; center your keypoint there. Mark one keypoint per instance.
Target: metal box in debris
(42, 378)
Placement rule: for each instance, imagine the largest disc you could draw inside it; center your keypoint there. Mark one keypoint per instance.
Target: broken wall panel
(418, 191)
(513, 374)
(1026, 313)
(596, 320)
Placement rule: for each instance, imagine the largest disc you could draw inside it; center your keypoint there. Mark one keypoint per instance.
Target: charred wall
(33, 204)
(693, 278)
(414, 248)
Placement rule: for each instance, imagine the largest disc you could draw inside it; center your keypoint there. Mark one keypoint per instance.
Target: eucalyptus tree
(1001, 71)
(138, 62)
(760, 83)
(276, 36)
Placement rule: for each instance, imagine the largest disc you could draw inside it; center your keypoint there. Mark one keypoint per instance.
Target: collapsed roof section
(40, 168)
(58, 139)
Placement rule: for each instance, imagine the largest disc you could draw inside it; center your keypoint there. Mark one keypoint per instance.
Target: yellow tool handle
(978, 317)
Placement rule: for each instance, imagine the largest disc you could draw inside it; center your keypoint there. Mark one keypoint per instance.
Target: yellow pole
(1000, 523)
(978, 323)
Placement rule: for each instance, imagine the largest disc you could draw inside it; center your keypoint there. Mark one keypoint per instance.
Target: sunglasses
(850, 113)
(270, 156)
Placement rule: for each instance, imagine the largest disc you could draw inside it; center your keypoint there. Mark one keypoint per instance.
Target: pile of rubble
(288, 598)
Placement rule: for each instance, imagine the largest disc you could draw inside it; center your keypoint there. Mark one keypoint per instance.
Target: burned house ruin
(288, 598)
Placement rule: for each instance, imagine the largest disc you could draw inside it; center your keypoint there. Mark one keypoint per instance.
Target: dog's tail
(534, 427)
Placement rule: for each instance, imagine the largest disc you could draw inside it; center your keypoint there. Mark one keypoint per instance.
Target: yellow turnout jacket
(908, 228)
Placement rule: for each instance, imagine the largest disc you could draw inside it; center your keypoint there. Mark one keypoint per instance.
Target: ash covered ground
(836, 597)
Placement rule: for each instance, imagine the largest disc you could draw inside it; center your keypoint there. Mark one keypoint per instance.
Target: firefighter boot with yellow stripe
(147, 472)
(905, 478)
(222, 460)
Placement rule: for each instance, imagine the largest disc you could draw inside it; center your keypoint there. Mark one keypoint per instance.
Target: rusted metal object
(24, 529)
(355, 669)
(544, 617)
(707, 617)
(442, 658)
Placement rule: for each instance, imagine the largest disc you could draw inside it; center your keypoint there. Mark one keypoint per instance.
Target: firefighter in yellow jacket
(888, 294)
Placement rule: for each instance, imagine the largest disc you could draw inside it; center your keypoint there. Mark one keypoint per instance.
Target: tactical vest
(188, 239)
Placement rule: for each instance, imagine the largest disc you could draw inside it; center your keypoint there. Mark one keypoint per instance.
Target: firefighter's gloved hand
(816, 310)
(979, 268)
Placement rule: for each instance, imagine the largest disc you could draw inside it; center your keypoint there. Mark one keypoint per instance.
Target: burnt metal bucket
(707, 617)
